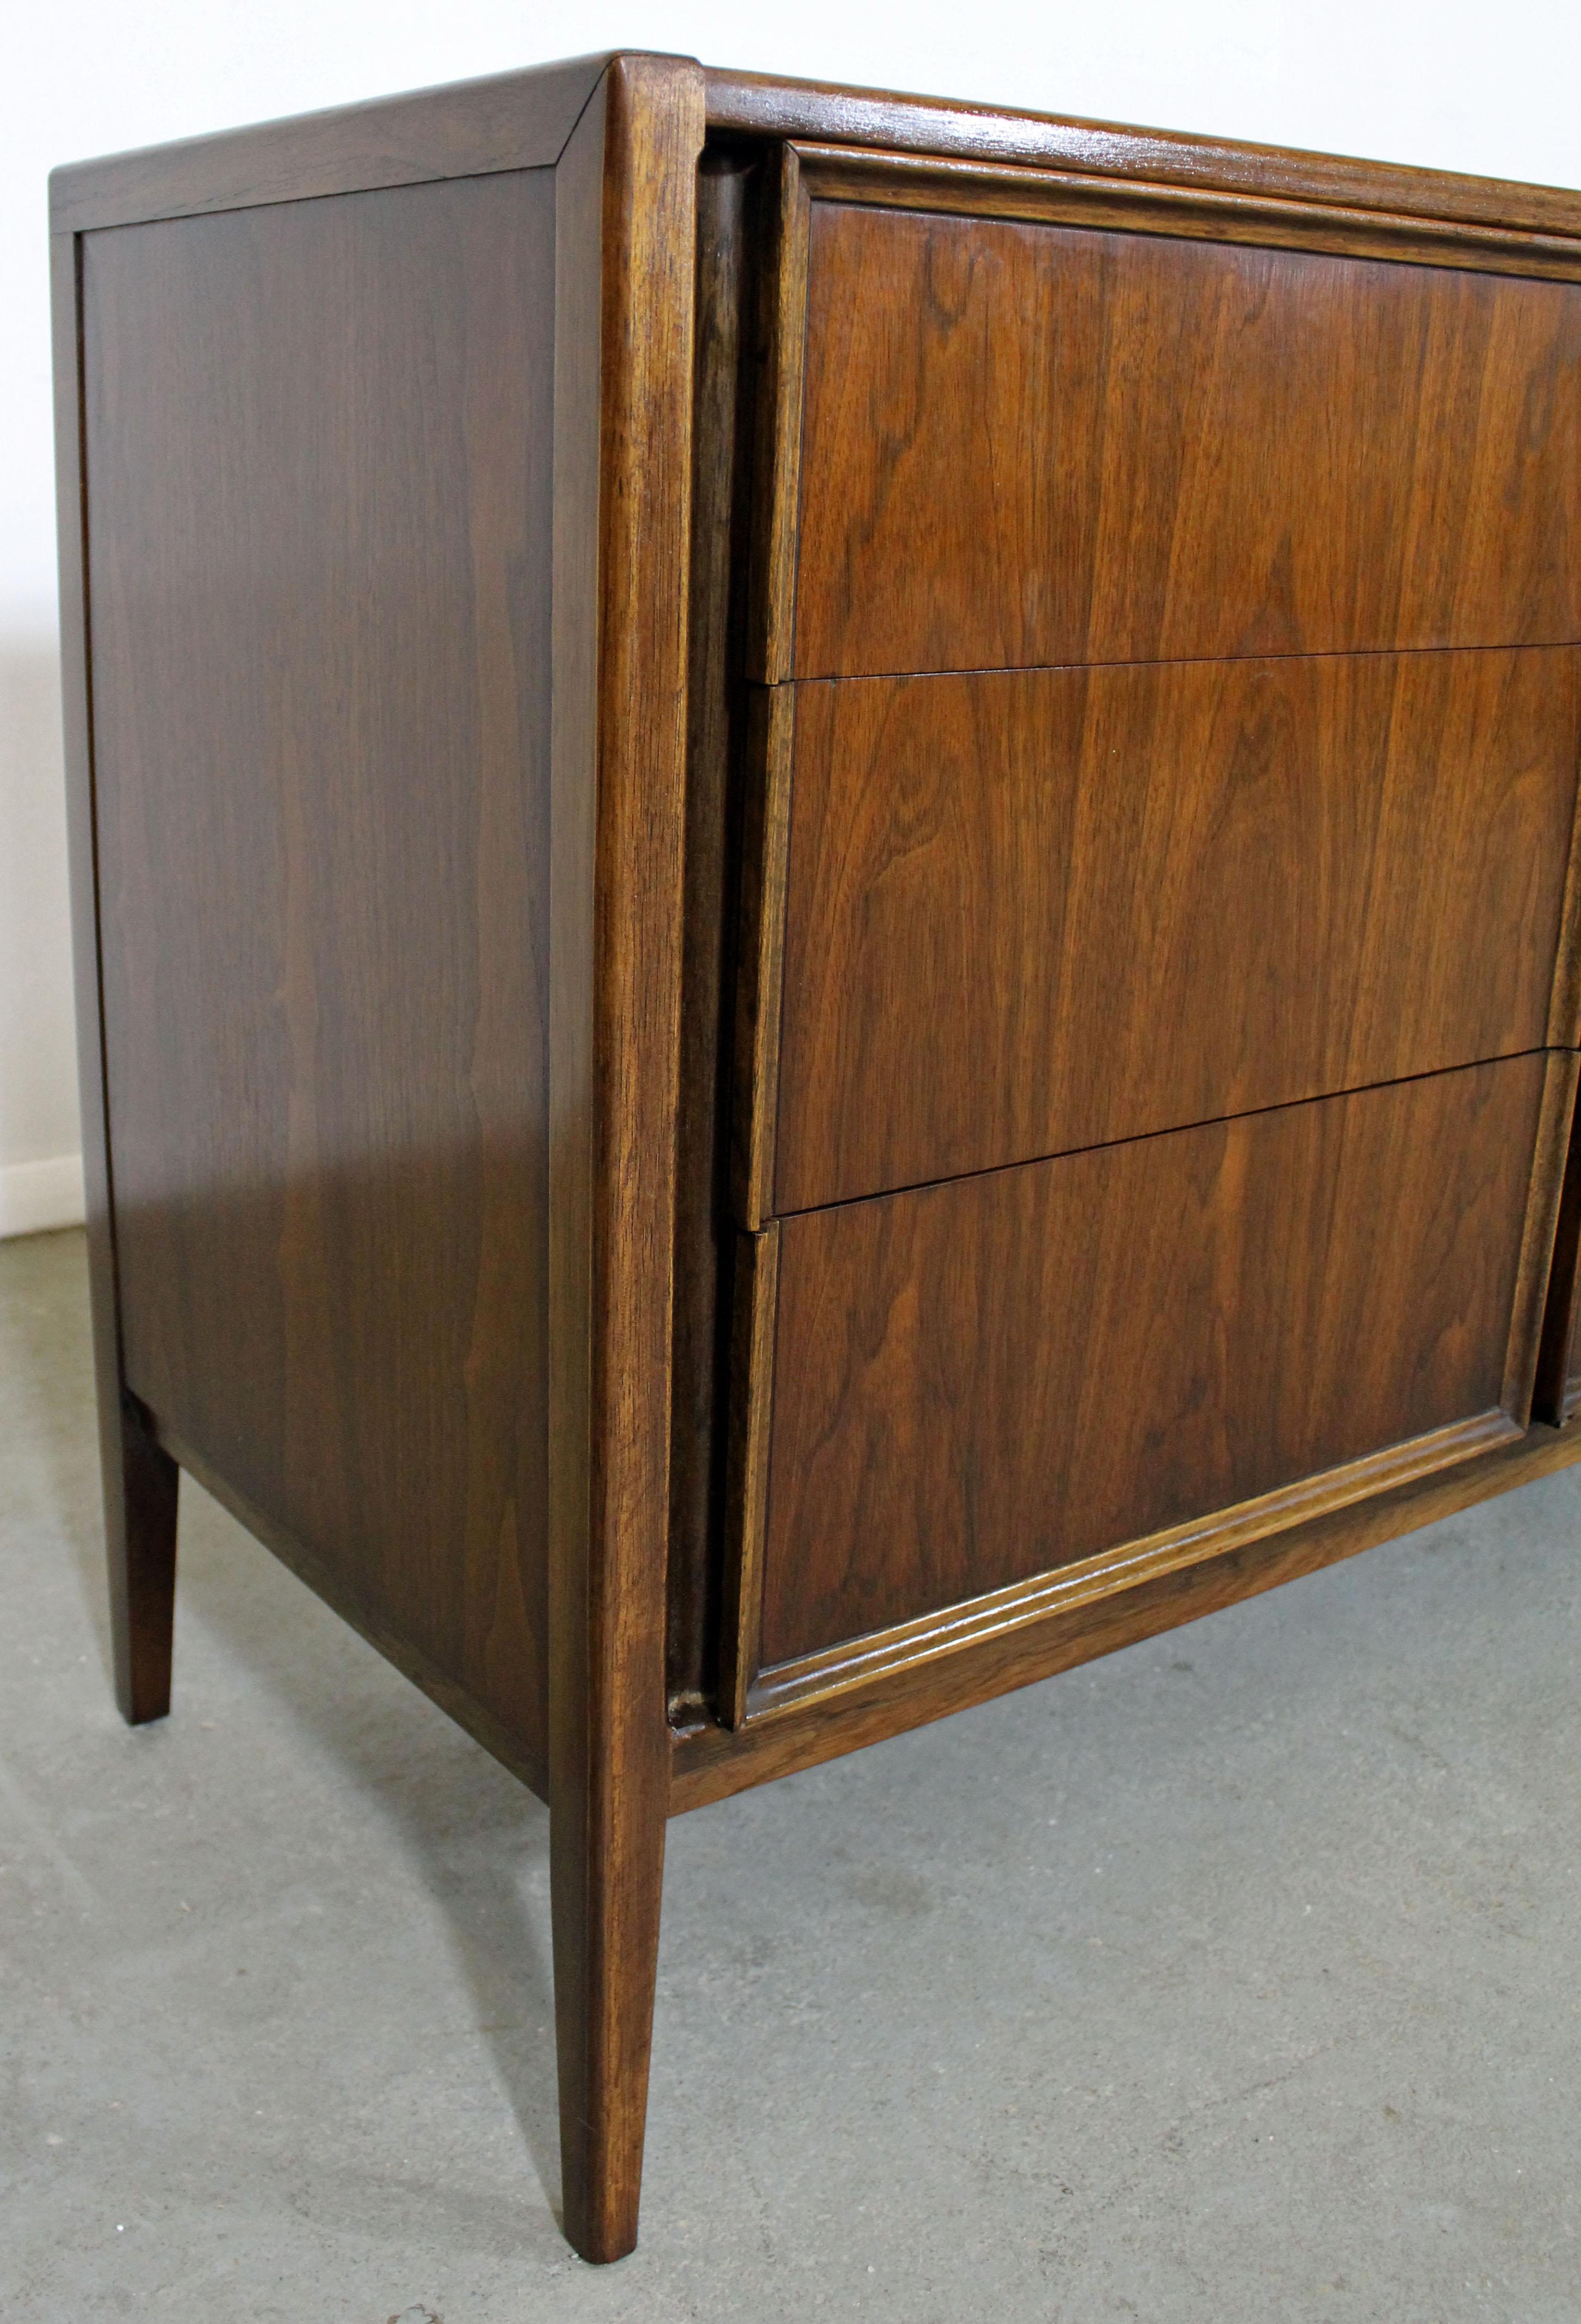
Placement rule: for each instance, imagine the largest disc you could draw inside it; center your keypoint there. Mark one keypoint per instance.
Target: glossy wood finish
(509, 121)
(711, 1763)
(1036, 1601)
(781, 393)
(998, 189)
(391, 832)
(410, 950)
(1048, 1602)
(1046, 909)
(1242, 451)
(330, 1159)
(626, 221)
(985, 1381)
(758, 104)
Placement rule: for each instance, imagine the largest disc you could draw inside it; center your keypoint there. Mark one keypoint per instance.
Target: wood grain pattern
(401, 866)
(1040, 911)
(319, 562)
(987, 1379)
(762, 105)
(139, 1479)
(1135, 206)
(713, 1762)
(627, 221)
(1031, 445)
(852, 1663)
(507, 121)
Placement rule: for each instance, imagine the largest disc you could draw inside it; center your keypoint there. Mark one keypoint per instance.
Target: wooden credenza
(826, 922)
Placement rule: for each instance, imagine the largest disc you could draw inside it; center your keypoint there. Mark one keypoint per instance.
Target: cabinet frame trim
(761, 951)
(752, 1350)
(1054, 196)
(782, 327)
(711, 1762)
(853, 1662)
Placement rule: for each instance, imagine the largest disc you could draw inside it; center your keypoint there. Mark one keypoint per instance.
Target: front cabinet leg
(606, 1844)
(141, 1482)
(625, 240)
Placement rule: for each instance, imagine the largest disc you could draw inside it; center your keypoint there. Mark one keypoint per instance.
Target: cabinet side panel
(318, 452)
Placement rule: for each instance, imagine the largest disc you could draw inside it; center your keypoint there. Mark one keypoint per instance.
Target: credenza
(826, 922)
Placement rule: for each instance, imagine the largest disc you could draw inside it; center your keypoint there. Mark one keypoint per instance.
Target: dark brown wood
(1554, 1121)
(1557, 1389)
(507, 121)
(782, 334)
(721, 435)
(414, 900)
(985, 1381)
(1064, 197)
(627, 211)
(329, 1583)
(711, 1763)
(1038, 910)
(1564, 1017)
(1041, 1599)
(761, 951)
(322, 789)
(139, 1481)
(1216, 450)
(757, 1304)
(760, 105)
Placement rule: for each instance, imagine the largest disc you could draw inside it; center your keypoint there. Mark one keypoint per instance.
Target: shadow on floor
(477, 1841)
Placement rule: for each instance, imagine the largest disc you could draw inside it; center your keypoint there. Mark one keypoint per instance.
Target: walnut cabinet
(826, 920)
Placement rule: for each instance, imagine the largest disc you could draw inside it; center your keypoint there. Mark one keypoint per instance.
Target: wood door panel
(1027, 444)
(985, 1381)
(1032, 911)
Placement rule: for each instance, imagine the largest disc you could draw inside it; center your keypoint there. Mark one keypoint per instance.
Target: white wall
(1454, 84)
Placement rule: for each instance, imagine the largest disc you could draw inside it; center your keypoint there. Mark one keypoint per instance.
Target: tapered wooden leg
(141, 1484)
(607, 1871)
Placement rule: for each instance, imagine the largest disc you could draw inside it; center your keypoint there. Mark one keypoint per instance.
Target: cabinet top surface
(521, 120)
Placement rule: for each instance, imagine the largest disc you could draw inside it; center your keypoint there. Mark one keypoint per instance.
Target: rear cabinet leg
(139, 1478)
(139, 1535)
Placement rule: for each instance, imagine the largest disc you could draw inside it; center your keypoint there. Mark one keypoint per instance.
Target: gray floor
(1234, 1979)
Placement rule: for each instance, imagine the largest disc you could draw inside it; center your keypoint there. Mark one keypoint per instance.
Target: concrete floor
(1234, 1979)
